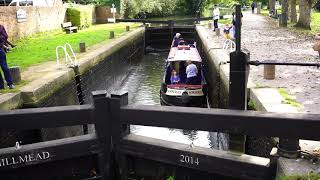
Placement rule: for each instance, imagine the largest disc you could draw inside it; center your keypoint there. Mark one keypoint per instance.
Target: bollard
(269, 72)
(259, 8)
(127, 28)
(111, 35)
(217, 31)
(289, 148)
(15, 74)
(82, 47)
(210, 25)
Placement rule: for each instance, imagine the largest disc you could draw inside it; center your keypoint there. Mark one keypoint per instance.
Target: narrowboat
(177, 89)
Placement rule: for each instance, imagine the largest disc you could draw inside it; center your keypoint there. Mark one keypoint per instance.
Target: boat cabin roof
(184, 53)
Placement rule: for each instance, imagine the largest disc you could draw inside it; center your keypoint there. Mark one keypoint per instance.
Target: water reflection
(143, 85)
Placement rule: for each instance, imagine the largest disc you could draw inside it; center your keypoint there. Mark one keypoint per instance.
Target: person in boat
(175, 79)
(176, 40)
(191, 72)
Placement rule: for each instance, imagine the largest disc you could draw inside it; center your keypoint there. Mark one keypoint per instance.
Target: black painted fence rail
(289, 125)
(48, 117)
(112, 142)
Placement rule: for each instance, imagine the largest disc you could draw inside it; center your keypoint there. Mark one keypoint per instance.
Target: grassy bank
(40, 48)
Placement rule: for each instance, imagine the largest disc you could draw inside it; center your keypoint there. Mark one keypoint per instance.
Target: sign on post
(21, 15)
(113, 11)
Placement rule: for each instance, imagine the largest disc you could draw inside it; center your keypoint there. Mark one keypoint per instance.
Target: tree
(293, 11)
(272, 5)
(305, 14)
(317, 5)
(284, 14)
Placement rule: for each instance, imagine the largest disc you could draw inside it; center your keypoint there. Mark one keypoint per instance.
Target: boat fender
(185, 97)
(164, 88)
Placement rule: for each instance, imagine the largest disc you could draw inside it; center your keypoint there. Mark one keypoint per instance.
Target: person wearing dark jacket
(253, 5)
(4, 47)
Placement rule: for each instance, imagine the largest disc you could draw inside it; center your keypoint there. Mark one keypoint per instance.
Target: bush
(317, 5)
(80, 16)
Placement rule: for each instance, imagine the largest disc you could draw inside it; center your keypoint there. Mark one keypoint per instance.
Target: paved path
(266, 41)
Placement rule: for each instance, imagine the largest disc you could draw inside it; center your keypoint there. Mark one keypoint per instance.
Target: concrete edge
(10, 101)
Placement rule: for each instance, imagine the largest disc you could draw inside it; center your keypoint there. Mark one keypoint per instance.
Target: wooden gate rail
(198, 158)
(112, 142)
(49, 117)
(68, 153)
(294, 125)
(55, 150)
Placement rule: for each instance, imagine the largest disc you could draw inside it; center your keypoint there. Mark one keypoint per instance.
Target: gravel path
(266, 41)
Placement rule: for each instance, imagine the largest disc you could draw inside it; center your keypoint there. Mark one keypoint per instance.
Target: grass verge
(41, 47)
(310, 176)
(288, 99)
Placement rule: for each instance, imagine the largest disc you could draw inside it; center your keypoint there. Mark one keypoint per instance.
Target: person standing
(4, 46)
(191, 72)
(216, 16)
(253, 5)
(234, 19)
(176, 40)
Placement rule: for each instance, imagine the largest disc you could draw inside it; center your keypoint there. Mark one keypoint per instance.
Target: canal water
(143, 85)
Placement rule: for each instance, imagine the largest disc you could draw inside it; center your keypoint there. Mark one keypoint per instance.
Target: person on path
(226, 31)
(234, 24)
(253, 5)
(216, 16)
(4, 43)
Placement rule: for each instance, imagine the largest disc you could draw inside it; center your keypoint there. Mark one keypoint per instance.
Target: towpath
(266, 41)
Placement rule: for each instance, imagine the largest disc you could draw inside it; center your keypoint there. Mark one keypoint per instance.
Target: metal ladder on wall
(69, 61)
(74, 64)
(229, 44)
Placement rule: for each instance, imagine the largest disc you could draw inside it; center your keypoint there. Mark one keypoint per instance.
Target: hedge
(80, 16)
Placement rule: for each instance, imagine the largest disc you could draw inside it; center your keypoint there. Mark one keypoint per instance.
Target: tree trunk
(272, 5)
(284, 14)
(293, 11)
(305, 14)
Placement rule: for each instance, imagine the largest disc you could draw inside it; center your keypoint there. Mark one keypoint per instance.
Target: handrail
(69, 61)
(229, 44)
(75, 62)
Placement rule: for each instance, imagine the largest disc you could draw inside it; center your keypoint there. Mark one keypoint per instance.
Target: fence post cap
(100, 93)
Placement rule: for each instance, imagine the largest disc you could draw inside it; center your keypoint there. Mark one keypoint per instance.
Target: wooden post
(127, 28)
(269, 72)
(111, 35)
(82, 47)
(238, 83)
(259, 6)
(119, 130)
(210, 25)
(218, 31)
(103, 128)
(15, 74)
(273, 162)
